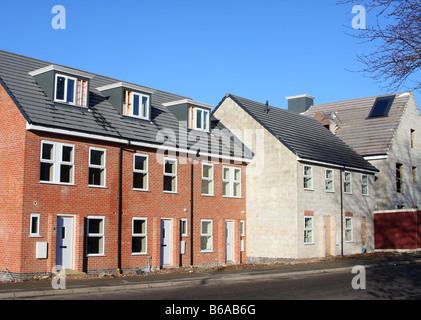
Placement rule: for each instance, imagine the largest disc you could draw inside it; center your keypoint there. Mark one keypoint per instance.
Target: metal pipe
(191, 211)
(120, 207)
(342, 213)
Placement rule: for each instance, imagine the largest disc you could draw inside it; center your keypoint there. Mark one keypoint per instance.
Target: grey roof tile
(303, 135)
(368, 136)
(102, 118)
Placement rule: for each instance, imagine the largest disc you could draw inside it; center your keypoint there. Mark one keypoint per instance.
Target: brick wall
(400, 229)
(12, 146)
(80, 201)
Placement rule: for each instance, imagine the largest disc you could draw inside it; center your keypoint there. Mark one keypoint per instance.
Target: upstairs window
(347, 182)
(135, 104)
(308, 178)
(57, 162)
(71, 90)
(412, 139)
(329, 182)
(170, 175)
(198, 118)
(231, 182)
(207, 179)
(364, 185)
(399, 178)
(97, 167)
(140, 172)
(381, 106)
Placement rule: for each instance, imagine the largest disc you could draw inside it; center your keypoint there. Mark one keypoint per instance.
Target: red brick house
(102, 175)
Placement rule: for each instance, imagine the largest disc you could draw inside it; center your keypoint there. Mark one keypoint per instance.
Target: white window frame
(364, 184)
(346, 181)
(242, 228)
(308, 177)
(349, 230)
(144, 235)
(206, 235)
(57, 162)
(132, 94)
(96, 166)
(327, 180)
(146, 171)
(75, 93)
(186, 223)
(96, 235)
(205, 120)
(311, 230)
(36, 234)
(231, 181)
(173, 175)
(208, 179)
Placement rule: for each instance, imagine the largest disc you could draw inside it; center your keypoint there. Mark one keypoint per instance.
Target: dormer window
(129, 99)
(198, 118)
(135, 104)
(71, 90)
(64, 85)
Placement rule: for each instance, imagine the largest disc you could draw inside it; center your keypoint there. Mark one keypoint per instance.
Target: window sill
(142, 190)
(200, 130)
(137, 117)
(208, 195)
(308, 189)
(232, 197)
(170, 192)
(140, 254)
(70, 104)
(58, 183)
(35, 236)
(94, 186)
(207, 251)
(96, 255)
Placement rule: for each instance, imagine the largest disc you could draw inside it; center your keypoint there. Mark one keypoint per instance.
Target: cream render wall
(401, 152)
(277, 201)
(271, 186)
(325, 207)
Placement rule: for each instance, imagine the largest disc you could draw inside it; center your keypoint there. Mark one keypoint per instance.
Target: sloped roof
(303, 135)
(101, 118)
(368, 136)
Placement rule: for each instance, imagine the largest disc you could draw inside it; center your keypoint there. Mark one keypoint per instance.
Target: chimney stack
(301, 103)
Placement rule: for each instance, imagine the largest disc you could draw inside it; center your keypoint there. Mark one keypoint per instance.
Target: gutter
(30, 126)
(336, 165)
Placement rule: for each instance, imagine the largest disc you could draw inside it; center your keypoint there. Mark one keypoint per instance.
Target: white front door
(228, 240)
(165, 242)
(64, 243)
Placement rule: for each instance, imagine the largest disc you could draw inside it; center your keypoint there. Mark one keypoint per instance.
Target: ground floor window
(206, 236)
(308, 230)
(34, 227)
(348, 229)
(139, 235)
(95, 235)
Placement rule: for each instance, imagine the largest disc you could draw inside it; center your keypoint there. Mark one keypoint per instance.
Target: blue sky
(261, 50)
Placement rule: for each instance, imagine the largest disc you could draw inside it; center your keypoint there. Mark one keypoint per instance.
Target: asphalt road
(400, 282)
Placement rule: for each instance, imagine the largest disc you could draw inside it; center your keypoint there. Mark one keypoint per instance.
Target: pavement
(189, 276)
